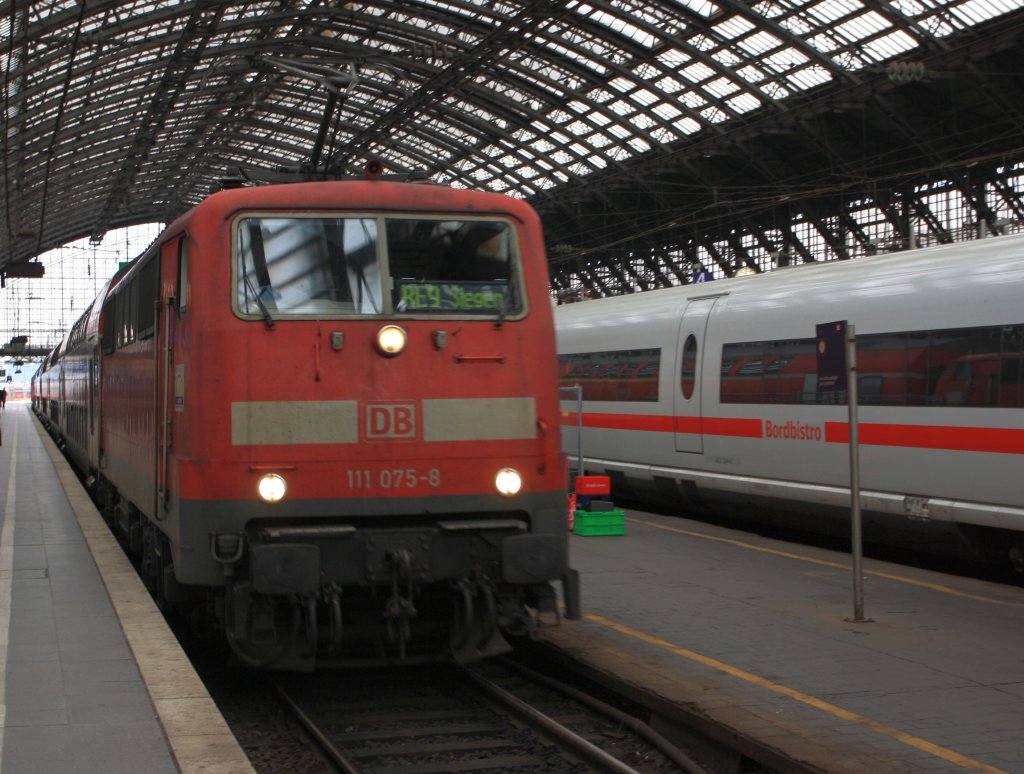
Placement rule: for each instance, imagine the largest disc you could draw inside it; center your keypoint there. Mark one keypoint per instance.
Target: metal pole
(579, 430)
(855, 517)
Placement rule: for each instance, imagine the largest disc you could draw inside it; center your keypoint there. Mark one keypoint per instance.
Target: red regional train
(706, 397)
(324, 418)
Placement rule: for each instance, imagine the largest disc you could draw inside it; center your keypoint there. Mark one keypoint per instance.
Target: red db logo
(390, 421)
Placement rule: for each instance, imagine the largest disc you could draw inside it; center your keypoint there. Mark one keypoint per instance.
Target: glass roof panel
(861, 27)
(622, 84)
(670, 85)
(619, 24)
(673, 58)
(667, 111)
(751, 75)
(699, 7)
(972, 12)
(643, 121)
(824, 13)
(759, 43)
(785, 59)
(743, 103)
(688, 126)
(733, 27)
(620, 131)
(889, 46)
(188, 87)
(808, 77)
(645, 97)
(622, 108)
(721, 87)
(698, 72)
(728, 58)
(572, 54)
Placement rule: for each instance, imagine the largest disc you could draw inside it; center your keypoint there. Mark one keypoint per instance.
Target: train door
(62, 399)
(686, 390)
(173, 298)
(93, 390)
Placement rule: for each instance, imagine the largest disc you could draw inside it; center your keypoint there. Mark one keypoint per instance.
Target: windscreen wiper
(267, 318)
(260, 264)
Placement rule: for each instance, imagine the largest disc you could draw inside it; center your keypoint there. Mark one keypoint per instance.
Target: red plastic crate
(593, 485)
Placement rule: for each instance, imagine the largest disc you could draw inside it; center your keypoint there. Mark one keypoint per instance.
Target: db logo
(390, 421)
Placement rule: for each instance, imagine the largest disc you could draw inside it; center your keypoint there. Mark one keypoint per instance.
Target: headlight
(391, 340)
(508, 482)
(272, 488)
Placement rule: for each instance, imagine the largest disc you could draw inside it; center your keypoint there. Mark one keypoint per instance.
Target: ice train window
(790, 372)
(688, 376)
(965, 367)
(622, 375)
(769, 372)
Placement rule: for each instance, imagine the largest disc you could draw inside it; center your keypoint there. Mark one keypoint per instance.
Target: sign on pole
(832, 356)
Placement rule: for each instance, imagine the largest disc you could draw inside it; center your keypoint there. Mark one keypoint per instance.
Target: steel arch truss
(654, 137)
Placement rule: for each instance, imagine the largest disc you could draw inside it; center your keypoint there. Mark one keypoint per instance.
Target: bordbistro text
(796, 431)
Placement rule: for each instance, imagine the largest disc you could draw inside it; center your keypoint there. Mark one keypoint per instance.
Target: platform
(91, 677)
(752, 636)
(740, 632)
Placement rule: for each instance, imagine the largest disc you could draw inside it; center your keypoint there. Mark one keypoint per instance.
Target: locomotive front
(362, 453)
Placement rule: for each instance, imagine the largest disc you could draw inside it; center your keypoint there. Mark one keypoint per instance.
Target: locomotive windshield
(339, 266)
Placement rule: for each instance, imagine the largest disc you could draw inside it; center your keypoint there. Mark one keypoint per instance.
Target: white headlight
(272, 488)
(508, 482)
(391, 340)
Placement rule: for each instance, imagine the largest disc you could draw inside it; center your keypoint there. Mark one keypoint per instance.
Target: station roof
(612, 117)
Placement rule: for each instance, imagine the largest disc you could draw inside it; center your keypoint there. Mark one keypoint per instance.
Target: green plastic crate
(586, 523)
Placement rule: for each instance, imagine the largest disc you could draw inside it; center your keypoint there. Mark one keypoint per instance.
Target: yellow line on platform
(913, 741)
(826, 563)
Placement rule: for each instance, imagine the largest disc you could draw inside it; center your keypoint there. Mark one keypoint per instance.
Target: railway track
(492, 717)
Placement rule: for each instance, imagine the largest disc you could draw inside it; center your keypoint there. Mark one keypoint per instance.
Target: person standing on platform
(3, 398)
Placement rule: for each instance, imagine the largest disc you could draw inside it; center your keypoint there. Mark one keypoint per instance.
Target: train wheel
(1017, 560)
(265, 631)
(474, 632)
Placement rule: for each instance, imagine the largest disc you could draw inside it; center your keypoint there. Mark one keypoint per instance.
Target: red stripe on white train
(996, 440)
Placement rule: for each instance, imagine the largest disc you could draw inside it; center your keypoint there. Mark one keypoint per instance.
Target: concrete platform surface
(755, 635)
(91, 678)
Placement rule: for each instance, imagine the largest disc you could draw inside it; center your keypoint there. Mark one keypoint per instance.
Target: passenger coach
(706, 396)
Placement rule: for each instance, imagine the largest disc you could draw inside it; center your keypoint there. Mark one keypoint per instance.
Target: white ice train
(706, 396)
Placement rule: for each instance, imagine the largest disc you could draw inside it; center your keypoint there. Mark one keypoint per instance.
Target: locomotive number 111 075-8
(392, 478)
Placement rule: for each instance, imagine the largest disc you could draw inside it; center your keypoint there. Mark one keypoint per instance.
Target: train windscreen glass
(301, 266)
(445, 267)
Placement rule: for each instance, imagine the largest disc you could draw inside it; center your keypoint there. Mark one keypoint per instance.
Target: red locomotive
(325, 416)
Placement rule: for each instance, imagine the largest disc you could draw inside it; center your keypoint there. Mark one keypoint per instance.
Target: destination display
(418, 296)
